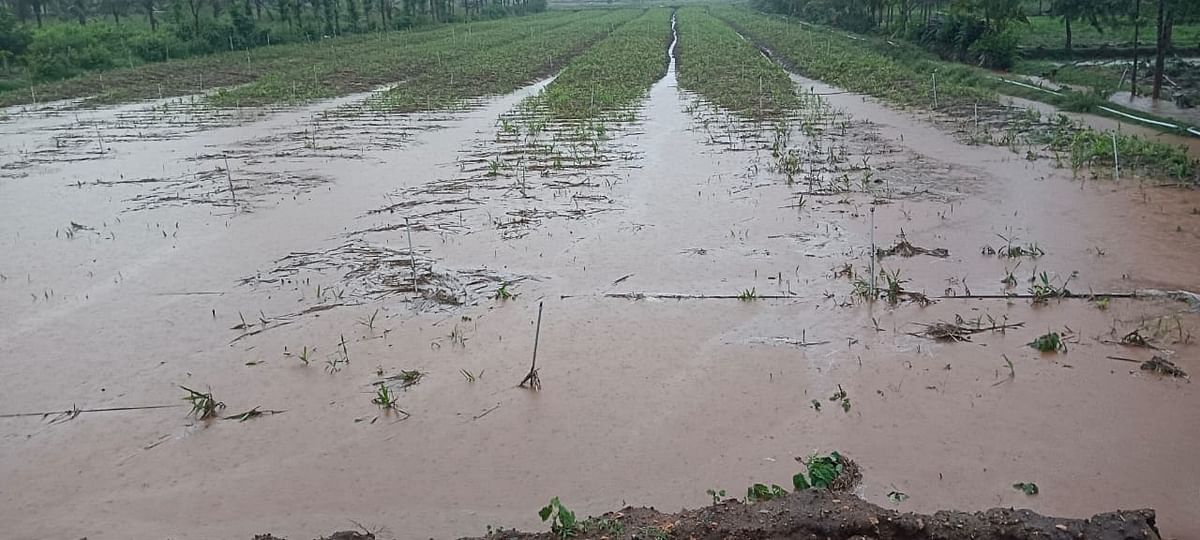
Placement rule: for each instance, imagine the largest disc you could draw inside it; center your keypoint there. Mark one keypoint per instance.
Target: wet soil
(821, 514)
(636, 240)
(830, 516)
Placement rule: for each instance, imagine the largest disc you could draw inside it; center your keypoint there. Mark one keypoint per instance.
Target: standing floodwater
(355, 284)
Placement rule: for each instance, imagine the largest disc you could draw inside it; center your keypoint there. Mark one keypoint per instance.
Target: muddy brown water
(646, 402)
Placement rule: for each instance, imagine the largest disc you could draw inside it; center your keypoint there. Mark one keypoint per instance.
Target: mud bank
(821, 514)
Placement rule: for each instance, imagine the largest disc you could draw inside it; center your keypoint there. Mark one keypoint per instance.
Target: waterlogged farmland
(422, 282)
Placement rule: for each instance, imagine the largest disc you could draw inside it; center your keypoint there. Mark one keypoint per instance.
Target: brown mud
(302, 295)
(831, 516)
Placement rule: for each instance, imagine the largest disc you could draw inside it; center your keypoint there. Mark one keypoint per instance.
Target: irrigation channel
(264, 255)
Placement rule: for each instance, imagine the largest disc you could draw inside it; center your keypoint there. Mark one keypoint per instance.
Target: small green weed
(204, 405)
(822, 471)
(384, 397)
(504, 294)
(716, 494)
(1052, 342)
(562, 520)
(1028, 488)
(762, 492)
(1043, 290)
(604, 526)
(841, 396)
(748, 295)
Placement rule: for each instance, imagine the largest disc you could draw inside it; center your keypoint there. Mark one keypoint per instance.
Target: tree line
(358, 14)
(983, 31)
(43, 40)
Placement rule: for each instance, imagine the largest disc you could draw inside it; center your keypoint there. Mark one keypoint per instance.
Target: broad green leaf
(799, 482)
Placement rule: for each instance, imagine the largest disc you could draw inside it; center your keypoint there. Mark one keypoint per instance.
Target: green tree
(996, 13)
(243, 24)
(1168, 11)
(1094, 12)
(14, 37)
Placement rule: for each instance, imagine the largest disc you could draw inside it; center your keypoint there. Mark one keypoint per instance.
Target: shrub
(996, 49)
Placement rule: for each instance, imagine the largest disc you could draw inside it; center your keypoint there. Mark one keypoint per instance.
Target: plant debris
(905, 249)
(252, 413)
(1162, 366)
(961, 329)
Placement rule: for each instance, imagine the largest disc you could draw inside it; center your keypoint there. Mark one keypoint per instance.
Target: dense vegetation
(989, 32)
(904, 75)
(44, 41)
(724, 68)
(498, 64)
(616, 72)
(901, 75)
(435, 66)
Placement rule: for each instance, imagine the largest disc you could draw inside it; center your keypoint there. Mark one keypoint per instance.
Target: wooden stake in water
(935, 105)
(531, 378)
(229, 176)
(412, 255)
(1116, 159)
(873, 252)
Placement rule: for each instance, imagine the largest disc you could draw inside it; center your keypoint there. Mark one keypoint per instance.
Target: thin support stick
(872, 255)
(229, 176)
(935, 105)
(531, 378)
(74, 411)
(1116, 159)
(412, 255)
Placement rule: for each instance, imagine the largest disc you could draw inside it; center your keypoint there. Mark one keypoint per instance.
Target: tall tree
(148, 7)
(996, 13)
(1137, 23)
(116, 7)
(1162, 41)
(1094, 12)
(194, 8)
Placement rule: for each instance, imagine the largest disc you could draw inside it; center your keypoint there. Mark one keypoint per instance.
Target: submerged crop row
(475, 69)
(329, 67)
(847, 61)
(616, 72)
(858, 64)
(473, 60)
(717, 63)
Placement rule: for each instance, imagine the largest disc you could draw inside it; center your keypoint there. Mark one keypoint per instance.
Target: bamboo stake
(229, 176)
(531, 378)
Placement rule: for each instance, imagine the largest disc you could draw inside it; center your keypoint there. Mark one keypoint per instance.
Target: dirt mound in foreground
(817, 514)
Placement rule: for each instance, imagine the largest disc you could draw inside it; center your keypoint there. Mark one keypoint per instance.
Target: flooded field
(711, 295)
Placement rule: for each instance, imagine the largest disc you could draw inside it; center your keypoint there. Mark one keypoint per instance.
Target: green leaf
(545, 512)
(1029, 488)
(822, 470)
(799, 482)
(758, 492)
